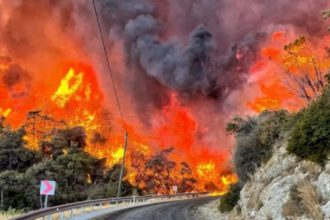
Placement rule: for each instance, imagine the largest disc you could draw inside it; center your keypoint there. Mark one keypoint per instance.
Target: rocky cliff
(283, 188)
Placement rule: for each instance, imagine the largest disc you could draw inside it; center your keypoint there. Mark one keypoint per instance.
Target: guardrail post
(61, 215)
(134, 199)
(82, 210)
(71, 213)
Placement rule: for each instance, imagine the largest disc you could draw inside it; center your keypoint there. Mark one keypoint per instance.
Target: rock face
(276, 190)
(285, 188)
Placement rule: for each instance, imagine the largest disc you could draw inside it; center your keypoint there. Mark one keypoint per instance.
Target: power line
(108, 63)
(118, 103)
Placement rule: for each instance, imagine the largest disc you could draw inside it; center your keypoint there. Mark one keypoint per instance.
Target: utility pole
(122, 166)
(1, 198)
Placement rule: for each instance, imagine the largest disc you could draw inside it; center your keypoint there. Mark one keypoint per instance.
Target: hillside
(286, 188)
(283, 188)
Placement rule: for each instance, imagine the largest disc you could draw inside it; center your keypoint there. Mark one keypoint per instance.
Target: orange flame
(69, 86)
(205, 169)
(5, 112)
(78, 100)
(299, 57)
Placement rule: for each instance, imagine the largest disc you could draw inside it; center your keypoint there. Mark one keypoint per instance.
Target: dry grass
(310, 200)
(311, 168)
(254, 202)
(9, 214)
(235, 214)
(292, 209)
(304, 200)
(56, 216)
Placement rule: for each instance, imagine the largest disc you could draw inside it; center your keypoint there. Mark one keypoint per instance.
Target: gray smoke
(201, 47)
(14, 76)
(182, 68)
(192, 67)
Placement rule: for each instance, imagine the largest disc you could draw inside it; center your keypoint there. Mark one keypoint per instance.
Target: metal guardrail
(98, 203)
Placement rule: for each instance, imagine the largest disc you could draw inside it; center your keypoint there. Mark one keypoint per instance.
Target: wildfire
(265, 103)
(278, 72)
(118, 154)
(205, 169)
(227, 180)
(78, 101)
(32, 142)
(68, 87)
(5, 112)
(178, 96)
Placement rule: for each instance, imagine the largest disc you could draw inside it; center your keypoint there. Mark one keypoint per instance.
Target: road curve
(177, 210)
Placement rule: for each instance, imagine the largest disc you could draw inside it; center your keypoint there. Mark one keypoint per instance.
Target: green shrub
(310, 138)
(255, 138)
(233, 126)
(248, 148)
(292, 120)
(229, 200)
(272, 127)
(248, 155)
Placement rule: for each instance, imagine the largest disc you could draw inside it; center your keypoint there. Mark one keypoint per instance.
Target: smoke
(14, 78)
(191, 66)
(201, 47)
(17, 80)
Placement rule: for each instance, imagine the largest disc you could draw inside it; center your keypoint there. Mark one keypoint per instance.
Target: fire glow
(279, 65)
(75, 102)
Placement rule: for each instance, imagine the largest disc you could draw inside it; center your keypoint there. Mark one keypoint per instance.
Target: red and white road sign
(47, 187)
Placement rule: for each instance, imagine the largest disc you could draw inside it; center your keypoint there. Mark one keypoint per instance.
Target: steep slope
(283, 188)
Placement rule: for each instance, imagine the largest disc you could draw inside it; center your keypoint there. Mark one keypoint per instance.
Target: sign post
(47, 188)
(175, 189)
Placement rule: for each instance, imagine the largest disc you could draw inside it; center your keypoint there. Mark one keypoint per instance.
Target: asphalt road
(178, 210)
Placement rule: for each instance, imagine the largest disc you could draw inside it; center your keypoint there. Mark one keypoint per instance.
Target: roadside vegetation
(255, 137)
(11, 213)
(229, 200)
(310, 138)
(79, 176)
(60, 156)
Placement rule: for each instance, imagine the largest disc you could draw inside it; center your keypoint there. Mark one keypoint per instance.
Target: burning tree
(63, 141)
(159, 173)
(188, 182)
(40, 126)
(305, 71)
